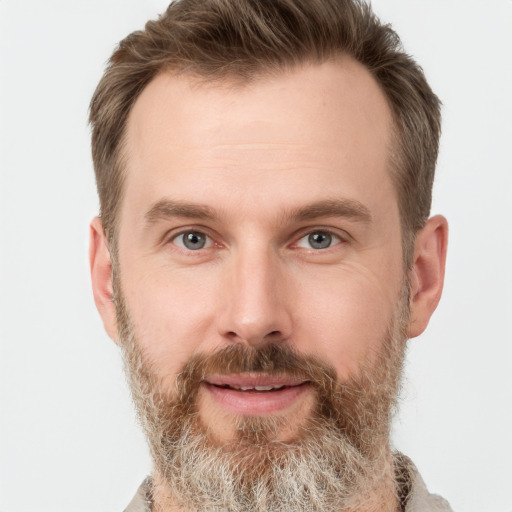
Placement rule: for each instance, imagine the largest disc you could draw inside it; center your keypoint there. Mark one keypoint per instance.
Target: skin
(256, 158)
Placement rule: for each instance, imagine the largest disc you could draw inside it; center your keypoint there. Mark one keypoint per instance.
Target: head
(263, 251)
(244, 41)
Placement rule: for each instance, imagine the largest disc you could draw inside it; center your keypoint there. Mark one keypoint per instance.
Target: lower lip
(254, 403)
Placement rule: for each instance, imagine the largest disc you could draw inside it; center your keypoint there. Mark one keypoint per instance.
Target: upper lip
(254, 380)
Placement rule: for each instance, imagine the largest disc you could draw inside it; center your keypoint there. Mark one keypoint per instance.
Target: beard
(338, 459)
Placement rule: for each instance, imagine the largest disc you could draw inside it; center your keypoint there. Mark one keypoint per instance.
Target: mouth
(255, 394)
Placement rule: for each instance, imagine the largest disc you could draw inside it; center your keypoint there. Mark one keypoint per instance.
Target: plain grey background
(68, 437)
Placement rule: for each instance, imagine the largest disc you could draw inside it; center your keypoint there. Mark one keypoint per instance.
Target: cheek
(172, 313)
(345, 318)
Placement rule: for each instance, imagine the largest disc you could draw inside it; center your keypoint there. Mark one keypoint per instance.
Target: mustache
(349, 407)
(358, 409)
(273, 359)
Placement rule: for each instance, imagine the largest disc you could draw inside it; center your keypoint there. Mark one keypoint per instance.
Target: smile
(252, 388)
(253, 394)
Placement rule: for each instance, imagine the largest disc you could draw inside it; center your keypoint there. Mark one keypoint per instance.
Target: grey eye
(320, 240)
(192, 240)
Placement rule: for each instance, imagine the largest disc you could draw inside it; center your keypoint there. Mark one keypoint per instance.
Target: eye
(318, 240)
(192, 240)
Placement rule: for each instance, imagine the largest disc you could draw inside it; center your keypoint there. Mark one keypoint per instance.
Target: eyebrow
(166, 209)
(347, 208)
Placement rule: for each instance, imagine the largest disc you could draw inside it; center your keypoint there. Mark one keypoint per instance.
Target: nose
(255, 300)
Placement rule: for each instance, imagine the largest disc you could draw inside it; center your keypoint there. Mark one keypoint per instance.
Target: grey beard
(321, 473)
(338, 461)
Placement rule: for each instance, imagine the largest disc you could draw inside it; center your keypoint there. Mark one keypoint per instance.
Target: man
(264, 251)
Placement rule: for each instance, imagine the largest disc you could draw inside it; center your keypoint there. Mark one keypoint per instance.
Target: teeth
(251, 388)
(257, 388)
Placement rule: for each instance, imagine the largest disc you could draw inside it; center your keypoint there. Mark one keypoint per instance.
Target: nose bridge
(256, 309)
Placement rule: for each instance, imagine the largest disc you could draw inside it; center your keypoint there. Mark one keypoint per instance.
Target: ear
(101, 276)
(427, 274)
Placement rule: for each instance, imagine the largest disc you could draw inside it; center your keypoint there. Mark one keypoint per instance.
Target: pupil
(320, 240)
(194, 241)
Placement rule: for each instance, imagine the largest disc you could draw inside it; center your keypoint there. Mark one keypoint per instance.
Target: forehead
(319, 120)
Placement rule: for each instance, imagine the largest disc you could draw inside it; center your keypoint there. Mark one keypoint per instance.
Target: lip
(254, 402)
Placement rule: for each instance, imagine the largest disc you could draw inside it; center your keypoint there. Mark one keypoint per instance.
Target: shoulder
(412, 490)
(141, 502)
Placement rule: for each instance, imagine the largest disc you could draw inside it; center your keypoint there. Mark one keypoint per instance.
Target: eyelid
(208, 240)
(335, 241)
(170, 236)
(341, 234)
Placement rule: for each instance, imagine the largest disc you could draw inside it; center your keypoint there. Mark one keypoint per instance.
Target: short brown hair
(244, 39)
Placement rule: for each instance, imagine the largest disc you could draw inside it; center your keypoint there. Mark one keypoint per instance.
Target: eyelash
(335, 240)
(209, 240)
(329, 233)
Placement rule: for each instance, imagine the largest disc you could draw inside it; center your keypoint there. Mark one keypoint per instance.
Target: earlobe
(101, 277)
(427, 274)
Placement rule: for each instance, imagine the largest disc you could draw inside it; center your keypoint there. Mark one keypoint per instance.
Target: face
(258, 214)
(259, 252)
